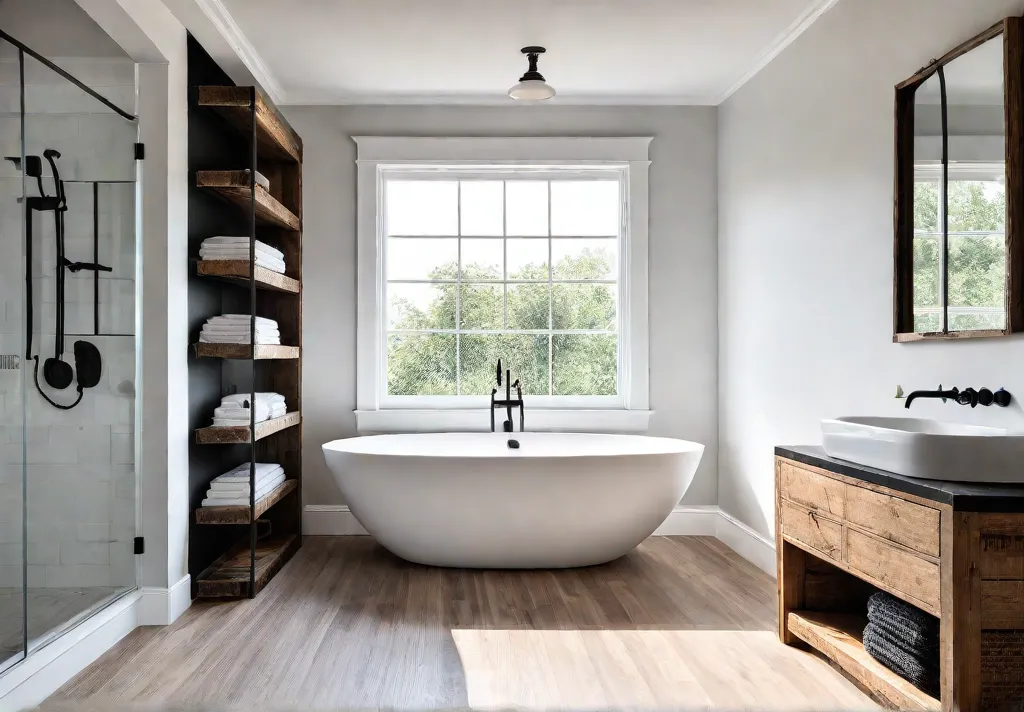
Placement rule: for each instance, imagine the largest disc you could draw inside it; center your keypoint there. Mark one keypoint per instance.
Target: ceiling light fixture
(531, 86)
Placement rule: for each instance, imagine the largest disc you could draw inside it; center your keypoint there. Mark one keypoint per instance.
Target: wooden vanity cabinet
(954, 550)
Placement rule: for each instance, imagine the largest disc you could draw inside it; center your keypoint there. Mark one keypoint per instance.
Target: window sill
(477, 420)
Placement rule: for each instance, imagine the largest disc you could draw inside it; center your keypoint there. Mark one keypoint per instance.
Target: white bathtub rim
(668, 446)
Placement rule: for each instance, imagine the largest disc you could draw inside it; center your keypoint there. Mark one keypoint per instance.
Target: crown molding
(320, 99)
(811, 15)
(219, 16)
(225, 24)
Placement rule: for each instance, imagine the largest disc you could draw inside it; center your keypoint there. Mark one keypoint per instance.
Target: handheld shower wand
(56, 372)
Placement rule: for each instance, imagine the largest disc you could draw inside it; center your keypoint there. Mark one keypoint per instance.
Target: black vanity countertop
(963, 496)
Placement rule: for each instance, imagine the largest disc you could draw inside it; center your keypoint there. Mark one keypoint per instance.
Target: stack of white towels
(232, 488)
(234, 410)
(237, 248)
(237, 329)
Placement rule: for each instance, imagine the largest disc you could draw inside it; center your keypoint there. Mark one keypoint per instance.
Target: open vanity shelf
(837, 636)
(954, 550)
(234, 132)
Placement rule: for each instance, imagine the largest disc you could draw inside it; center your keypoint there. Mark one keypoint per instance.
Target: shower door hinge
(140, 545)
(140, 152)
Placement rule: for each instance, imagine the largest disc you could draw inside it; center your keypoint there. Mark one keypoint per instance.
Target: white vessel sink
(927, 448)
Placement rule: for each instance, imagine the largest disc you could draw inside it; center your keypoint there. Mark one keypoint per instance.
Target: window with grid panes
(521, 265)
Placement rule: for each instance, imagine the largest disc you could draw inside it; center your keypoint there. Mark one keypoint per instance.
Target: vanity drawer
(897, 568)
(812, 529)
(812, 490)
(913, 525)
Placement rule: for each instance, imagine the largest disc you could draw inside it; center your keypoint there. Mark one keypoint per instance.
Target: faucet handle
(968, 396)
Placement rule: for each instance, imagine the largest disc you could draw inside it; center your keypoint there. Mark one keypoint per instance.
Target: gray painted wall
(67, 32)
(805, 244)
(683, 258)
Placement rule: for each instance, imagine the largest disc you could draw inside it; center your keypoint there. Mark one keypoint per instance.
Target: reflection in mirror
(977, 189)
(929, 265)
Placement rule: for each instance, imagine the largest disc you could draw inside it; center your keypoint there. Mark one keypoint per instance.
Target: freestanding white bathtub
(468, 500)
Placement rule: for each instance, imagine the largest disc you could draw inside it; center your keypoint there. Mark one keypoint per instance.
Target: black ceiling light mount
(531, 86)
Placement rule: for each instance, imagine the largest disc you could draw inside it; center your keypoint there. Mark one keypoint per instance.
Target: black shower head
(51, 153)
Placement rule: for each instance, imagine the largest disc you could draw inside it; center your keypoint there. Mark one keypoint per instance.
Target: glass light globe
(531, 90)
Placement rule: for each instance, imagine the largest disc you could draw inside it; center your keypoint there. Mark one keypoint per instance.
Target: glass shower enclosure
(69, 337)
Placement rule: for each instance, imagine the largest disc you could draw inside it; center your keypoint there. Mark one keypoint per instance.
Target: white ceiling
(467, 51)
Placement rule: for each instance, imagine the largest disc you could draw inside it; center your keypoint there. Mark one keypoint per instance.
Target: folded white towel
(240, 329)
(239, 490)
(264, 411)
(261, 261)
(236, 501)
(241, 398)
(238, 254)
(233, 410)
(240, 474)
(227, 240)
(261, 340)
(261, 336)
(235, 244)
(268, 483)
(260, 491)
(261, 248)
(239, 319)
(236, 423)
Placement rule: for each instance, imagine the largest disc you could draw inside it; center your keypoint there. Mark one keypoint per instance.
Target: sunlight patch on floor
(688, 669)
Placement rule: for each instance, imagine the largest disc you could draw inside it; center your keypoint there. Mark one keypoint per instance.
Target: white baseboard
(710, 520)
(690, 521)
(162, 606)
(330, 520)
(39, 675)
(755, 548)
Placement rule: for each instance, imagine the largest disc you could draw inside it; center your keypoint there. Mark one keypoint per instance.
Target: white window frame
(378, 157)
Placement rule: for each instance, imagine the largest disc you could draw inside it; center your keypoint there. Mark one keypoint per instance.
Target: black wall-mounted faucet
(968, 396)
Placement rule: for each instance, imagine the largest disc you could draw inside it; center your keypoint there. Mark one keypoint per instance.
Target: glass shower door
(12, 372)
(80, 367)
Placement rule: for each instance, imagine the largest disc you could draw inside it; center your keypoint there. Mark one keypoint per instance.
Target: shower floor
(48, 610)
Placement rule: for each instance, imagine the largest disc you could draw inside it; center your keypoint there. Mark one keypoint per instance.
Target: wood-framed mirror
(959, 193)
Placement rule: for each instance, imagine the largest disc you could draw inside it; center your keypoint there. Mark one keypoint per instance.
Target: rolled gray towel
(916, 629)
(923, 677)
(928, 658)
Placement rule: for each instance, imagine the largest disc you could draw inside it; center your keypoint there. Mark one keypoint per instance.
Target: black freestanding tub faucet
(508, 403)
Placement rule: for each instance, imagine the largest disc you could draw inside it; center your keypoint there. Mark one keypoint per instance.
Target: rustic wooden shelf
(239, 514)
(274, 137)
(235, 186)
(244, 130)
(263, 352)
(228, 576)
(240, 435)
(838, 637)
(237, 272)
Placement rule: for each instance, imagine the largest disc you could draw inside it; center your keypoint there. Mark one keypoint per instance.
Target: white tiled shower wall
(81, 477)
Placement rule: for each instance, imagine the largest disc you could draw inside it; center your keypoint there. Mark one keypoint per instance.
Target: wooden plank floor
(679, 623)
